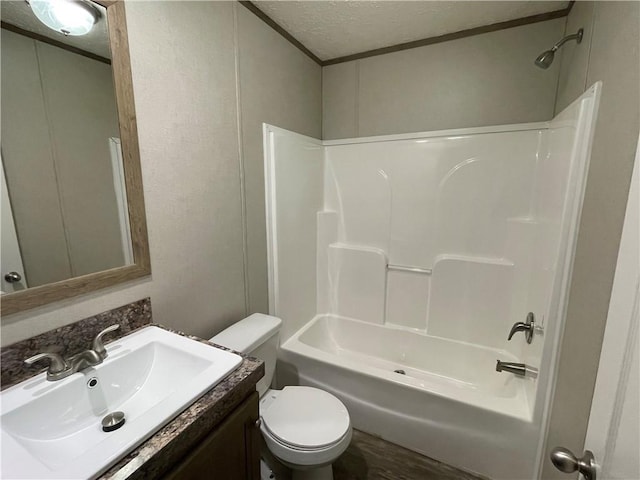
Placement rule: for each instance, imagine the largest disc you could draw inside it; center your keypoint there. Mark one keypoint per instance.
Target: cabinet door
(230, 452)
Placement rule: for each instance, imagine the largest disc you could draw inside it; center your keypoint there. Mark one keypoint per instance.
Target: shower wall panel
(407, 299)
(422, 201)
(357, 282)
(294, 196)
(469, 300)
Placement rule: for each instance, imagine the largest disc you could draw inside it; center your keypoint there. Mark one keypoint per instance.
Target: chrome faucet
(519, 369)
(528, 327)
(60, 368)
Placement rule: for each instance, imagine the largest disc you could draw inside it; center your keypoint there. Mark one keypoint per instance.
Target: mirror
(72, 205)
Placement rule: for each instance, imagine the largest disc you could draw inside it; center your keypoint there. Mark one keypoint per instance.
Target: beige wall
(609, 52)
(185, 58)
(487, 79)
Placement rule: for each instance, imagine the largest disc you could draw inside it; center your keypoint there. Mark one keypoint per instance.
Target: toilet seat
(306, 419)
(299, 449)
(311, 458)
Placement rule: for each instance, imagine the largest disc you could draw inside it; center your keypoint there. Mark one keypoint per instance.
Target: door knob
(13, 277)
(565, 461)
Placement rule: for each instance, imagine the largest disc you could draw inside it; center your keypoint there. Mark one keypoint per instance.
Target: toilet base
(272, 468)
(265, 471)
(320, 473)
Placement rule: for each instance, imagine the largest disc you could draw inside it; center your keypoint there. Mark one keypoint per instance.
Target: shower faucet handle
(528, 327)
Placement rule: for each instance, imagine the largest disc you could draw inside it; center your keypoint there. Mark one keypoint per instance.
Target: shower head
(545, 59)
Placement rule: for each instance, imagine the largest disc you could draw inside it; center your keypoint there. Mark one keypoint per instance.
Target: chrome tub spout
(519, 369)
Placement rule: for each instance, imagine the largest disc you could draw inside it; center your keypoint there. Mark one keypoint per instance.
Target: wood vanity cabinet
(230, 452)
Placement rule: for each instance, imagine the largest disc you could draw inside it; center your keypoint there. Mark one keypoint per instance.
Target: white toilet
(305, 428)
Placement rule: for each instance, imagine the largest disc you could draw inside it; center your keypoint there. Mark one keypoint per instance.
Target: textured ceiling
(332, 29)
(19, 13)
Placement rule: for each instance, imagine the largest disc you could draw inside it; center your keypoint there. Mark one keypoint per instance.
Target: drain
(400, 371)
(113, 421)
(93, 381)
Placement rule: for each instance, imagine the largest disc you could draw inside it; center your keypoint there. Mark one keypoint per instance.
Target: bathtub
(435, 396)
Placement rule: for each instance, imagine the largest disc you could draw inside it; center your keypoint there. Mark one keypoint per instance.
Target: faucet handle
(57, 364)
(98, 346)
(528, 327)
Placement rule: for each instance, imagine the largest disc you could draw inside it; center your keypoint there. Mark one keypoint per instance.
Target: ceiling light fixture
(69, 17)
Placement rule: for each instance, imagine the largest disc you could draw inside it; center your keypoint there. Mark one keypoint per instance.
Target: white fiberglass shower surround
(399, 264)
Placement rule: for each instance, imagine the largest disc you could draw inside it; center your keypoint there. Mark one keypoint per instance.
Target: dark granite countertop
(158, 454)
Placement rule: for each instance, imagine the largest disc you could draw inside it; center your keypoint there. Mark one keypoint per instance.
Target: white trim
(519, 127)
(569, 240)
(122, 204)
(270, 201)
(621, 390)
(290, 133)
(620, 343)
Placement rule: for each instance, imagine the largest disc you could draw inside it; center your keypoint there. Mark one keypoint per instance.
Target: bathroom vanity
(232, 449)
(152, 375)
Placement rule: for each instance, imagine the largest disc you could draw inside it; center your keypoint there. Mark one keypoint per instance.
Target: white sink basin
(53, 430)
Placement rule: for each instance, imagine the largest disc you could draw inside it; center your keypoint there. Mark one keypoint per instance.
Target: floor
(371, 458)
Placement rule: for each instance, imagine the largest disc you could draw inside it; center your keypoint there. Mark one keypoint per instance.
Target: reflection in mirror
(64, 201)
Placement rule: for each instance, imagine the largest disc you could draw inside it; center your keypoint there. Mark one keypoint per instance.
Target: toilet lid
(306, 417)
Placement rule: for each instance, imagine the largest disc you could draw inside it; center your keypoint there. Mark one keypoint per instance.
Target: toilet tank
(257, 336)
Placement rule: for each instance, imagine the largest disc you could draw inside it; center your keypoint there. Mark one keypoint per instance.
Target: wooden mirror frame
(121, 69)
